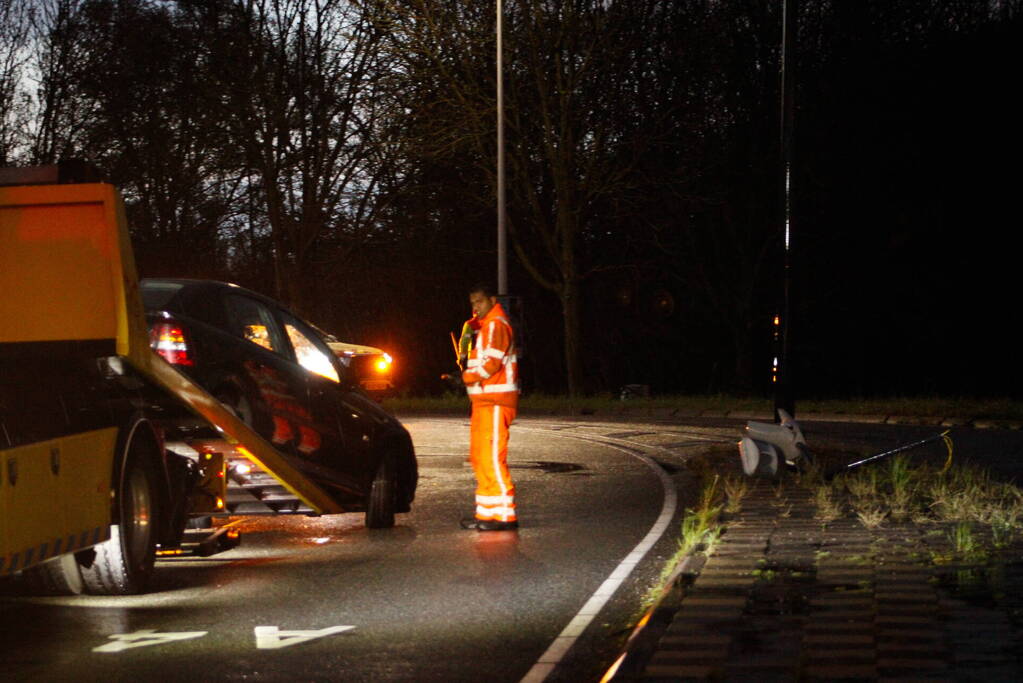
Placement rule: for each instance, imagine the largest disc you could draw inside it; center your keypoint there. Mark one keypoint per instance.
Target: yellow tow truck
(89, 490)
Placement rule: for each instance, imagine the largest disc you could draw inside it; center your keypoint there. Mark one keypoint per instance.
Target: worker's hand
(453, 378)
(469, 378)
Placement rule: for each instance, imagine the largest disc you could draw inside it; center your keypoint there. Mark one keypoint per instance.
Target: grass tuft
(966, 543)
(736, 488)
(871, 517)
(1004, 527)
(700, 530)
(903, 489)
(828, 510)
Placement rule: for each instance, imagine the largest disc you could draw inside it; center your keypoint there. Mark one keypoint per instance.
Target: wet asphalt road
(425, 600)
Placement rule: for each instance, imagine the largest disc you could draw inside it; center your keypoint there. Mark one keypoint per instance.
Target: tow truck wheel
(59, 576)
(381, 504)
(124, 563)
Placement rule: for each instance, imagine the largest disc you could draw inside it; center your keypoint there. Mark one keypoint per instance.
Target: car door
(348, 431)
(273, 384)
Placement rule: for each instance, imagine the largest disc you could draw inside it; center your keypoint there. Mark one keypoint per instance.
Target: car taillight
(168, 339)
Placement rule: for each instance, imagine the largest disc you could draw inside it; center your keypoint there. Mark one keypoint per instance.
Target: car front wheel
(382, 497)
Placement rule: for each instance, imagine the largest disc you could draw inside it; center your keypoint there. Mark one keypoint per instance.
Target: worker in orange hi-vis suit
(491, 380)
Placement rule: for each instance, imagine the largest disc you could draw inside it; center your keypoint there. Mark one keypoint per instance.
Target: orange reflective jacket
(491, 376)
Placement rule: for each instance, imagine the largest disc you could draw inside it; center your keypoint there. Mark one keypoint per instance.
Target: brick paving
(784, 597)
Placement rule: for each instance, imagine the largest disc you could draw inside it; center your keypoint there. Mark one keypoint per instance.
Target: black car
(277, 373)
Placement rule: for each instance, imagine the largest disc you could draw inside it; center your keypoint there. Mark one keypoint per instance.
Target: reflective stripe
(494, 353)
(497, 508)
(494, 511)
(494, 500)
(482, 372)
(47, 549)
(473, 362)
(495, 450)
(498, 388)
(492, 388)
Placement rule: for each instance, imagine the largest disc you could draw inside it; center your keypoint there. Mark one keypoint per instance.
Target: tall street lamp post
(502, 235)
(784, 395)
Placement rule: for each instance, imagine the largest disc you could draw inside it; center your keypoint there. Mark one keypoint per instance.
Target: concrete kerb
(950, 421)
(644, 639)
(659, 414)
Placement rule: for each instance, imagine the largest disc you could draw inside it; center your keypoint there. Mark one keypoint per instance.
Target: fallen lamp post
(764, 446)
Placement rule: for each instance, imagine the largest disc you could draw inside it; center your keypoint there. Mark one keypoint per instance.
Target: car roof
(196, 284)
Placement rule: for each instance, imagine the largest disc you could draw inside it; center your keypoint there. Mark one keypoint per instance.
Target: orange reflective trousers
(488, 453)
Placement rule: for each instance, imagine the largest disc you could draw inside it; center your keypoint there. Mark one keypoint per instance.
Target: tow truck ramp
(239, 439)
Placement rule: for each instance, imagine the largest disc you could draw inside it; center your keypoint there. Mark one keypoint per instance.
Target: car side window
(310, 352)
(254, 322)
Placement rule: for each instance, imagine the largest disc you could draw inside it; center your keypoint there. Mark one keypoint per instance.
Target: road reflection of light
(121, 605)
(498, 553)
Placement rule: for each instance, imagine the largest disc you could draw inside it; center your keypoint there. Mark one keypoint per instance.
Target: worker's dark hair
(484, 288)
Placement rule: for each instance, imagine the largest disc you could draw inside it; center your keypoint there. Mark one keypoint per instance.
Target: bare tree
(577, 83)
(59, 47)
(125, 85)
(15, 19)
(302, 80)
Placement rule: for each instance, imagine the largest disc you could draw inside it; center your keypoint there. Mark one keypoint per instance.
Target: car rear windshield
(156, 295)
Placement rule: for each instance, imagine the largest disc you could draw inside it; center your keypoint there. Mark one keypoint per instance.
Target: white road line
(566, 639)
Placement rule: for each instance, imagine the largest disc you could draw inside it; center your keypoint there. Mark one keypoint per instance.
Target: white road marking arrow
(271, 638)
(145, 638)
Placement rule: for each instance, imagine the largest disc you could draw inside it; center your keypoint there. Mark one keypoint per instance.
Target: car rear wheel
(382, 497)
(124, 563)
